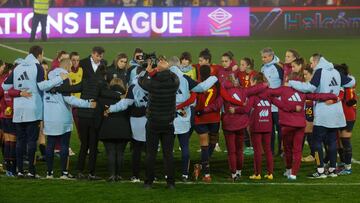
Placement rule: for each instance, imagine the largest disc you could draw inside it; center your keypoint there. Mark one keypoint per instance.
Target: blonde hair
(117, 81)
(66, 64)
(174, 61)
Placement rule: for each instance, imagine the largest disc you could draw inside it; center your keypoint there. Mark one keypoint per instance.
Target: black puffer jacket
(112, 71)
(117, 125)
(162, 90)
(94, 87)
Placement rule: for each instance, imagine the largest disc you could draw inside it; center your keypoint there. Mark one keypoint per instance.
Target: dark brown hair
(36, 50)
(185, 55)
(205, 54)
(259, 78)
(249, 61)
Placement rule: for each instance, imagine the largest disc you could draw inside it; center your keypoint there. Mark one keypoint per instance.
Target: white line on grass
(20, 51)
(355, 161)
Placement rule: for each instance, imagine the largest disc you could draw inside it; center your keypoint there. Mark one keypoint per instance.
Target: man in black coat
(91, 63)
(87, 122)
(162, 86)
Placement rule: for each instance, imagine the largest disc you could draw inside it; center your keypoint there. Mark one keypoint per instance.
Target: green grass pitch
(340, 189)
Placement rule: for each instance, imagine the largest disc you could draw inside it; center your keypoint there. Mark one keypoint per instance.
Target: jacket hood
(133, 63)
(19, 61)
(323, 63)
(274, 61)
(30, 59)
(176, 70)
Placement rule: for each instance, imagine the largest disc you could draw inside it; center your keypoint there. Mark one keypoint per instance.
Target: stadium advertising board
(185, 22)
(130, 22)
(308, 21)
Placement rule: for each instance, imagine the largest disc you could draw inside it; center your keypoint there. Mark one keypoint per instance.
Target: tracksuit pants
(262, 141)
(185, 152)
(235, 145)
(328, 137)
(293, 138)
(27, 134)
(64, 150)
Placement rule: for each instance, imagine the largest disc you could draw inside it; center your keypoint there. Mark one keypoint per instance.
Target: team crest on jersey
(264, 113)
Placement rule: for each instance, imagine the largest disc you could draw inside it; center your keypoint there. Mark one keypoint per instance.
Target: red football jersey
(214, 69)
(245, 78)
(203, 100)
(348, 104)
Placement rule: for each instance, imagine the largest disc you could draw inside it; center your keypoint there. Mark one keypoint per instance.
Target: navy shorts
(349, 126)
(207, 128)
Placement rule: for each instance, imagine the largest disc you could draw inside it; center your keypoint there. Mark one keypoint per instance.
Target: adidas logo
(333, 82)
(264, 113)
(263, 103)
(23, 76)
(236, 97)
(295, 97)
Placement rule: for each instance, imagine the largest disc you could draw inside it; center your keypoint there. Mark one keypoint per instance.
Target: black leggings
(138, 147)
(115, 153)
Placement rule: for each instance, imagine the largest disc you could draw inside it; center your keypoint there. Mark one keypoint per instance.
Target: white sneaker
(238, 173)
(291, 177)
(67, 177)
(217, 147)
(49, 176)
(134, 179)
(71, 152)
(287, 173)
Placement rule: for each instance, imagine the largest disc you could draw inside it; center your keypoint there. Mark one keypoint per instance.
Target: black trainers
(331, 174)
(317, 175)
(185, 178)
(81, 176)
(20, 175)
(94, 177)
(112, 179)
(32, 176)
(66, 176)
(119, 178)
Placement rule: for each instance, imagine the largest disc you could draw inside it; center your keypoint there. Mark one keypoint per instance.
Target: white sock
(238, 172)
(321, 170)
(233, 175)
(331, 169)
(347, 166)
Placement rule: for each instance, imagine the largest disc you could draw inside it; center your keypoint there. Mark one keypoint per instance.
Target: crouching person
(58, 121)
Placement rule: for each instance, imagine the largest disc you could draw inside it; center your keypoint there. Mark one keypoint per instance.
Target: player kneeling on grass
(349, 100)
(292, 120)
(58, 121)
